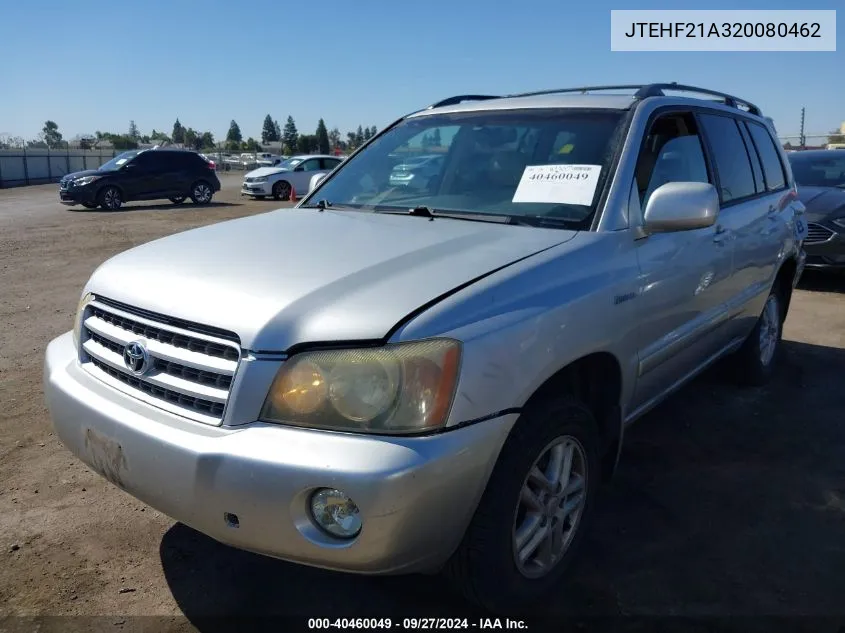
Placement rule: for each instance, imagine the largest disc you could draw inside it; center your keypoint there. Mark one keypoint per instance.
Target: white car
(296, 172)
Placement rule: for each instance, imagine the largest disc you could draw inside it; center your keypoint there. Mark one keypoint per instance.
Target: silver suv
(389, 379)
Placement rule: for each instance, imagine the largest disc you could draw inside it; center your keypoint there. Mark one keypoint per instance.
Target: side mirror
(681, 206)
(315, 180)
(299, 168)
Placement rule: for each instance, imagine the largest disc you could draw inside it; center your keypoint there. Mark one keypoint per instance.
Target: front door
(685, 283)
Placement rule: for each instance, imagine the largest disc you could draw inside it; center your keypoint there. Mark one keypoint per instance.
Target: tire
(281, 190)
(485, 567)
(201, 192)
(177, 199)
(110, 198)
(754, 363)
(90, 205)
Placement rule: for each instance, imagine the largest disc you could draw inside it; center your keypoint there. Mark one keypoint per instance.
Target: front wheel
(755, 361)
(89, 205)
(201, 192)
(177, 199)
(534, 511)
(281, 190)
(110, 198)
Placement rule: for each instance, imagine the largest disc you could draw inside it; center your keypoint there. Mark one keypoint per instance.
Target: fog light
(334, 512)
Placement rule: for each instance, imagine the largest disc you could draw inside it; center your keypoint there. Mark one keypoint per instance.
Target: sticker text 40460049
(558, 184)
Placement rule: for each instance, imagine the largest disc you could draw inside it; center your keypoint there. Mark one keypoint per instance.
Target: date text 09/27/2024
(414, 624)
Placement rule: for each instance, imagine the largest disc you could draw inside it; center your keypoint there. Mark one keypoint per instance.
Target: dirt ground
(728, 502)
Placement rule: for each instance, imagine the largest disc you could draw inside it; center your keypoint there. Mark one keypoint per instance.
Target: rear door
(748, 212)
(175, 173)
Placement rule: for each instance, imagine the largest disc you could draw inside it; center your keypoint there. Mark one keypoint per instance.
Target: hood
(264, 171)
(80, 174)
(299, 275)
(822, 202)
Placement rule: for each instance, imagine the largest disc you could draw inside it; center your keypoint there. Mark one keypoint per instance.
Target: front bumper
(827, 254)
(78, 195)
(416, 495)
(256, 189)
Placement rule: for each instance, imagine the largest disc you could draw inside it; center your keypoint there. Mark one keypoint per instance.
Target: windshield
(118, 161)
(817, 170)
(528, 163)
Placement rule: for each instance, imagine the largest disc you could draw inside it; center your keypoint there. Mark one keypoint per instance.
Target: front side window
(526, 163)
(671, 152)
(733, 166)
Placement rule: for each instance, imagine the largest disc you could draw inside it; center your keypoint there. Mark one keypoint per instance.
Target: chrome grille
(189, 373)
(817, 233)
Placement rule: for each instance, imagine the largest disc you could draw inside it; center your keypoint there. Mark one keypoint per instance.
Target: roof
(813, 153)
(592, 101)
(304, 156)
(594, 97)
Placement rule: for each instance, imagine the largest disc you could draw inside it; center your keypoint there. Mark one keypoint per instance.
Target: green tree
(334, 139)
(350, 140)
(268, 132)
(252, 145)
(51, 135)
(156, 136)
(289, 136)
(323, 145)
(367, 134)
(207, 140)
(836, 136)
(435, 137)
(133, 131)
(359, 137)
(278, 130)
(373, 131)
(178, 135)
(234, 134)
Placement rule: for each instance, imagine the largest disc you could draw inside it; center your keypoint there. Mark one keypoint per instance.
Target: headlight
(85, 180)
(402, 388)
(840, 222)
(80, 312)
(260, 179)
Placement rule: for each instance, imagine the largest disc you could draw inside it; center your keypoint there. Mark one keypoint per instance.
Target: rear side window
(733, 166)
(759, 182)
(772, 167)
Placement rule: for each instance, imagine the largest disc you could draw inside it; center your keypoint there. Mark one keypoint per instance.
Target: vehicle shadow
(165, 206)
(714, 486)
(822, 281)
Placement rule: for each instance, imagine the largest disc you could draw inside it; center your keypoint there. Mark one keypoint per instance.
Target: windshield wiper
(543, 222)
(431, 214)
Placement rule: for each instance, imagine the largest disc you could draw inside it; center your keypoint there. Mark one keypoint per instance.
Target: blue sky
(94, 65)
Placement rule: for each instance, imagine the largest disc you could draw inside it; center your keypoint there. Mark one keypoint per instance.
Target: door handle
(721, 235)
(773, 213)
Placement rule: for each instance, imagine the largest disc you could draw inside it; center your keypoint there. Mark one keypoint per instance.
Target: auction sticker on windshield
(560, 184)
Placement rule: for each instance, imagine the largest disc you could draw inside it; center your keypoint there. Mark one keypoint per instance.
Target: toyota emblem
(136, 358)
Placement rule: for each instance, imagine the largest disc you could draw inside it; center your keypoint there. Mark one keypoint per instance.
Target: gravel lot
(728, 502)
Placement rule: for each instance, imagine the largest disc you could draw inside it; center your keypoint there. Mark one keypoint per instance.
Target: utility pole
(803, 138)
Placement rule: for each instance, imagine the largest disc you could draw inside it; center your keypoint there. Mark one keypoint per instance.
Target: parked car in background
(820, 175)
(387, 380)
(266, 159)
(295, 172)
(416, 172)
(148, 174)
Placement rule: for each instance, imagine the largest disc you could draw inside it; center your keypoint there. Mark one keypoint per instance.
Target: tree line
(292, 141)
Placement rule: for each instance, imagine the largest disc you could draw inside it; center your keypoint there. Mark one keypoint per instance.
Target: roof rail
(656, 90)
(460, 98)
(644, 91)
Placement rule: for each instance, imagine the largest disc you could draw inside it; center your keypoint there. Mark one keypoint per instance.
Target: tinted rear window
(772, 166)
(729, 154)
